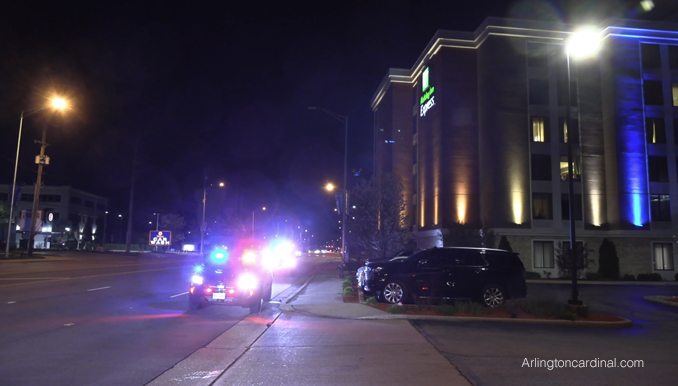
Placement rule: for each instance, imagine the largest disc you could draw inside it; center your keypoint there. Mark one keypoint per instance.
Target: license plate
(219, 296)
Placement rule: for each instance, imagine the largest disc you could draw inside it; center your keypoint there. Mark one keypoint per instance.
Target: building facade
(66, 214)
(477, 131)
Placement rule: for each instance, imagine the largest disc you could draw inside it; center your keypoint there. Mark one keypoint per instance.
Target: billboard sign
(160, 237)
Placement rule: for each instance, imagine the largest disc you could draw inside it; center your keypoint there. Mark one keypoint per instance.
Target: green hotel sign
(427, 99)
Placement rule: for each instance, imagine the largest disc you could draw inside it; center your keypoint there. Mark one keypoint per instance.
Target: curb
(661, 300)
(625, 323)
(600, 282)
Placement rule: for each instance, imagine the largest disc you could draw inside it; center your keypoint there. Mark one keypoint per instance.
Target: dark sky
(222, 87)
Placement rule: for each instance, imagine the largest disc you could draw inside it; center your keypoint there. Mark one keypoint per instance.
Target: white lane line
(96, 289)
(33, 278)
(181, 294)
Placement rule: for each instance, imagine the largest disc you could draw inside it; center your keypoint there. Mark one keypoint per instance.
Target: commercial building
(65, 214)
(477, 132)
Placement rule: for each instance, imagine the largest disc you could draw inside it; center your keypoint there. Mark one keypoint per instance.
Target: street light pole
(36, 194)
(344, 119)
(583, 43)
(203, 227)
(264, 208)
(58, 104)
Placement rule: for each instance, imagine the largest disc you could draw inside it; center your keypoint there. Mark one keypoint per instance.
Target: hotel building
(477, 132)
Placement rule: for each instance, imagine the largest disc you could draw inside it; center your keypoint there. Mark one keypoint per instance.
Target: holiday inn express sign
(427, 99)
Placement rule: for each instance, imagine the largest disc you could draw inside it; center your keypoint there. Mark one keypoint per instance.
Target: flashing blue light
(198, 268)
(219, 256)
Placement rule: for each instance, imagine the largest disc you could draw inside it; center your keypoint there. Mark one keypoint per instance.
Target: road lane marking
(181, 294)
(97, 289)
(11, 302)
(34, 278)
(92, 276)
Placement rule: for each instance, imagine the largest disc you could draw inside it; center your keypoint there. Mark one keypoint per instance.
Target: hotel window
(673, 57)
(539, 92)
(658, 169)
(26, 197)
(650, 55)
(576, 168)
(540, 129)
(565, 133)
(660, 207)
(541, 167)
(76, 200)
(656, 132)
(543, 254)
(674, 93)
(663, 256)
(565, 207)
(562, 93)
(541, 206)
(652, 91)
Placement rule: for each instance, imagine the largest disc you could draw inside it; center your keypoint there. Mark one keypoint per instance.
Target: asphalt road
(85, 319)
(505, 354)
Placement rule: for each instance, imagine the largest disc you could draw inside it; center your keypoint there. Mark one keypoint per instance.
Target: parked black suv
(479, 274)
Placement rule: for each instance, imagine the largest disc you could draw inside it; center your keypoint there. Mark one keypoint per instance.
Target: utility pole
(131, 199)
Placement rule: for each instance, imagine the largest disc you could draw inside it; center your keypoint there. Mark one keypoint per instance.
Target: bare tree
(378, 220)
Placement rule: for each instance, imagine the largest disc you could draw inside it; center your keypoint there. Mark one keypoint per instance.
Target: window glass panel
(543, 254)
(674, 92)
(576, 168)
(539, 129)
(541, 167)
(650, 55)
(658, 169)
(565, 207)
(652, 91)
(663, 256)
(565, 133)
(656, 132)
(539, 91)
(660, 207)
(673, 57)
(541, 206)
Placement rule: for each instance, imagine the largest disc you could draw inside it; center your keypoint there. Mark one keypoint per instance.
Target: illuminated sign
(160, 238)
(427, 99)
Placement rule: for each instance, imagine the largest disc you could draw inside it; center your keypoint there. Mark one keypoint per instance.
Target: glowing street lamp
(581, 44)
(57, 103)
(344, 120)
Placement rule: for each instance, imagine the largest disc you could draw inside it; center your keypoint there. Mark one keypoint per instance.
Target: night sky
(221, 88)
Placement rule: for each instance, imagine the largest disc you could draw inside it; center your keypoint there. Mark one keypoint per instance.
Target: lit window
(565, 173)
(543, 254)
(663, 256)
(656, 132)
(541, 206)
(674, 91)
(539, 129)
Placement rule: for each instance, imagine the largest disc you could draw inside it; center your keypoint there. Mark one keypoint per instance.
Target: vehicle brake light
(208, 290)
(191, 290)
(231, 291)
(248, 258)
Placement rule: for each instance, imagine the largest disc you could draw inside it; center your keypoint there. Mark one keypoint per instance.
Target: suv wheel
(193, 306)
(492, 296)
(256, 307)
(394, 292)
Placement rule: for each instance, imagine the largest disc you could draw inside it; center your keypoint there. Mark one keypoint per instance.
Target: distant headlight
(197, 279)
(247, 281)
(378, 269)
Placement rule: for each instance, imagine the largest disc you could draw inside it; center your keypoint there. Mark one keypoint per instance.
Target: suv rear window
(503, 259)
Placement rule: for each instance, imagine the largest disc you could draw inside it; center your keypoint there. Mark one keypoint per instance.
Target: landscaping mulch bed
(410, 309)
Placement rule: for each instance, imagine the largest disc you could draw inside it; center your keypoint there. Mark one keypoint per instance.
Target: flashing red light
(231, 291)
(191, 290)
(251, 293)
(208, 290)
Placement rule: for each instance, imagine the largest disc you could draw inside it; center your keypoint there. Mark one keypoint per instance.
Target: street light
(263, 208)
(581, 44)
(120, 230)
(203, 227)
(344, 119)
(57, 104)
